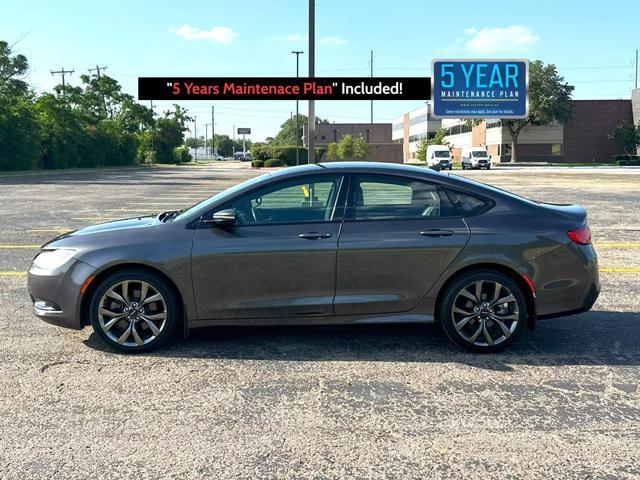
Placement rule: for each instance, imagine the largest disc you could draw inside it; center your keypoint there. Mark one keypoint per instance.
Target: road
(317, 402)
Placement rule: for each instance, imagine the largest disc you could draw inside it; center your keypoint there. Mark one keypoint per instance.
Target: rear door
(398, 236)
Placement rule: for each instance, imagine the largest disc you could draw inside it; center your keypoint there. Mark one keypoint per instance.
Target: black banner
(253, 88)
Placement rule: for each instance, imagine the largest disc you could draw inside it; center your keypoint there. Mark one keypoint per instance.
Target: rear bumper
(567, 281)
(56, 293)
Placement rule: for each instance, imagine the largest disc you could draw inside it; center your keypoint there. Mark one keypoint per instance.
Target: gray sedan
(327, 243)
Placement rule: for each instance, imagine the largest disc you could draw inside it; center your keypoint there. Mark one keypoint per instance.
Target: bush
(257, 163)
(181, 155)
(273, 162)
(627, 160)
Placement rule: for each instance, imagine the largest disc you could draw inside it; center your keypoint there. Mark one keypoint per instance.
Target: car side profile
(327, 243)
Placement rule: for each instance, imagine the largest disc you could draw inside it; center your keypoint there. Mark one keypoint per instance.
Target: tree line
(94, 124)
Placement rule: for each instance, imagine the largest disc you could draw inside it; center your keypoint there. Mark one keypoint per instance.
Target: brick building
(377, 135)
(585, 137)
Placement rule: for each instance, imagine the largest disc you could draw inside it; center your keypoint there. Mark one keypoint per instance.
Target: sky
(592, 44)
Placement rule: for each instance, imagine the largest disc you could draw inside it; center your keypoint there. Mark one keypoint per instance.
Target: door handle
(436, 232)
(314, 235)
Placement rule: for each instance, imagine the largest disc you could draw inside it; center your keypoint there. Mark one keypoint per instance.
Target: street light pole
(297, 54)
(311, 130)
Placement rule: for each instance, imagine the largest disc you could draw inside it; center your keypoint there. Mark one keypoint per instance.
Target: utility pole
(213, 130)
(636, 71)
(195, 135)
(153, 135)
(311, 130)
(97, 70)
(371, 64)
(206, 136)
(297, 54)
(62, 72)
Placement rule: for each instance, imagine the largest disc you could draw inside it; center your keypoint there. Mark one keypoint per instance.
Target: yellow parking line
(616, 245)
(11, 247)
(12, 274)
(620, 270)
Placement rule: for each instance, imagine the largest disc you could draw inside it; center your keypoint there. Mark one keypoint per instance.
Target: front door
(278, 260)
(398, 236)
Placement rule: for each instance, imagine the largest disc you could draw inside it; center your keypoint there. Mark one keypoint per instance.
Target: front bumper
(56, 293)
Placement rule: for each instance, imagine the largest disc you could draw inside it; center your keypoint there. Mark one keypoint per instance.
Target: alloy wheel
(132, 313)
(485, 313)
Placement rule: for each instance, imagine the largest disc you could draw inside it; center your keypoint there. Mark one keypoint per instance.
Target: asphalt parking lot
(317, 402)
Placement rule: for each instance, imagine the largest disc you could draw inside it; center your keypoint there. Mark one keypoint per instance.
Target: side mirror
(223, 217)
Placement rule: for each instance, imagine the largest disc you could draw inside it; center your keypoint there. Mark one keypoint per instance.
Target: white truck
(439, 156)
(475, 157)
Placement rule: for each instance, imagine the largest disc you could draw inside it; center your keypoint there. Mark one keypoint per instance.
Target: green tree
(421, 152)
(346, 147)
(13, 68)
(438, 138)
(169, 133)
(360, 149)
(194, 142)
(20, 145)
(19, 129)
(287, 134)
(627, 137)
(549, 101)
(332, 152)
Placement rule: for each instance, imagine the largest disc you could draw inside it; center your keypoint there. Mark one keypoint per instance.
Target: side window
(379, 197)
(311, 199)
(466, 204)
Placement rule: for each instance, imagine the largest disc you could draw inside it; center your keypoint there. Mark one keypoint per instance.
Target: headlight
(52, 259)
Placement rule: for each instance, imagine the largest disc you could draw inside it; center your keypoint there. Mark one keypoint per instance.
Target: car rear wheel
(483, 311)
(134, 311)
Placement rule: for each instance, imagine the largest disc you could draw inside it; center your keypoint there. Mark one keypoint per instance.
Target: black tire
(453, 294)
(169, 302)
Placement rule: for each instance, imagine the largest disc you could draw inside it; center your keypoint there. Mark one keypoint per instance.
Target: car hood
(116, 225)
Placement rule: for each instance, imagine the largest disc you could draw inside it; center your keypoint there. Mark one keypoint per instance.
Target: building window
(556, 149)
(506, 149)
(494, 123)
(323, 137)
(398, 126)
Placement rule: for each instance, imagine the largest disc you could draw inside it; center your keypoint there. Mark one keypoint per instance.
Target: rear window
(466, 204)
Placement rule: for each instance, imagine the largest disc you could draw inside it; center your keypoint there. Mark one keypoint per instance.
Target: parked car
(475, 157)
(439, 156)
(243, 157)
(328, 243)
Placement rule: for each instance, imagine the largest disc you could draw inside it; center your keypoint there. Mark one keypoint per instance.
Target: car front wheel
(483, 311)
(134, 311)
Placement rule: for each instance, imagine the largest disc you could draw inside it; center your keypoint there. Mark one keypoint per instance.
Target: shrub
(257, 163)
(181, 155)
(273, 162)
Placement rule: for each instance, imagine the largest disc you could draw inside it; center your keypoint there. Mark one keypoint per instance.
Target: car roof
(373, 167)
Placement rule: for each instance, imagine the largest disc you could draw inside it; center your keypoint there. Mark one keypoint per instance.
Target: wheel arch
(100, 276)
(529, 296)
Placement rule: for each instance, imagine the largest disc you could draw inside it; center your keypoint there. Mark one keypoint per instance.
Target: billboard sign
(480, 88)
(244, 131)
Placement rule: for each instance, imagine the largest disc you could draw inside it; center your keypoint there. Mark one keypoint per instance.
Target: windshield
(221, 195)
(479, 154)
(441, 154)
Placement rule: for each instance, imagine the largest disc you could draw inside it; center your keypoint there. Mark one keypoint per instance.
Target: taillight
(580, 235)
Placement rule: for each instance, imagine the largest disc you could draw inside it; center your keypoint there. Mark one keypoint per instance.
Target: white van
(440, 156)
(475, 157)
